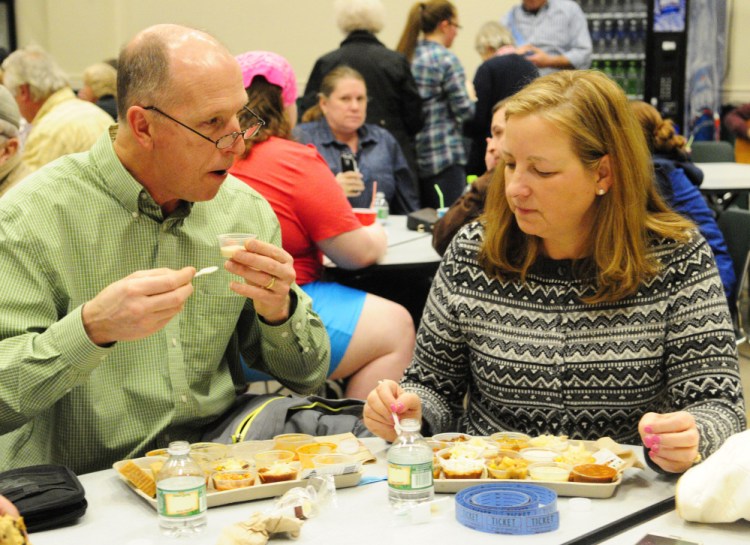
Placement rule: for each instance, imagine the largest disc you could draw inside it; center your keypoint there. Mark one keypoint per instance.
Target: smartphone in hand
(348, 162)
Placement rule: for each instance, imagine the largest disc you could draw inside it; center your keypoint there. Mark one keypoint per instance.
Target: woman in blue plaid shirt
(441, 157)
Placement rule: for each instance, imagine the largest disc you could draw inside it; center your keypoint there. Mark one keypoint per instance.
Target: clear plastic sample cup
(229, 243)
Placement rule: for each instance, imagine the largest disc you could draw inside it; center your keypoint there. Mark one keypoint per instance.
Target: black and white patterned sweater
(534, 358)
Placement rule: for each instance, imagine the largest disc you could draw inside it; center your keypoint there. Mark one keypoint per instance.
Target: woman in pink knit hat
(371, 338)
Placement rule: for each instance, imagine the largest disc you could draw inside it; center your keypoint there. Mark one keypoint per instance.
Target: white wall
(81, 32)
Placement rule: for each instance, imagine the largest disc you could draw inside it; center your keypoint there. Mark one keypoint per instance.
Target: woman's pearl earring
(600, 192)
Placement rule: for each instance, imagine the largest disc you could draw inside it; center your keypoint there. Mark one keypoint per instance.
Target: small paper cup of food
(366, 216)
(334, 460)
(209, 451)
(463, 468)
(593, 473)
(539, 454)
(549, 471)
(510, 440)
(307, 452)
(290, 442)
(231, 479)
(452, 437)
(248, 449)
(276, 465)
(229, 243)
(267, 457)
(507, 467)
(226, 464)
(553, 442)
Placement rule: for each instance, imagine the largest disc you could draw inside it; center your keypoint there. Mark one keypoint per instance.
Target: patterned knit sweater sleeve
(533, 357)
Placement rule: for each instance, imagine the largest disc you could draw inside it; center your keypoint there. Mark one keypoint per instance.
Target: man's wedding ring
(270, 284)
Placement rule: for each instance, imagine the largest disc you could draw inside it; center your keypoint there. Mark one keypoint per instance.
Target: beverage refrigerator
(669, 53)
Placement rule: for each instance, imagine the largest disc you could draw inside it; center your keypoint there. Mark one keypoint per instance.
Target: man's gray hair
(32, 65)
(366, 15)
(492, 36)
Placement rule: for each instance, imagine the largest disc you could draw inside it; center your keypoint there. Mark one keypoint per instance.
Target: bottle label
(382, 213)
(410, 476)
(181, 503)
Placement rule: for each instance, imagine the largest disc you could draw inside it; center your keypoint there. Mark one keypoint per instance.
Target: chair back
(703, 151)
(735, 226)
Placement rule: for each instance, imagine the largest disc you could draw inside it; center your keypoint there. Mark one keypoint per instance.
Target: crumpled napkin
(718, 490)
(259, 528)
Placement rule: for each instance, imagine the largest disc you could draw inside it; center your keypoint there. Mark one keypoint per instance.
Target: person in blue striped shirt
(553, 34)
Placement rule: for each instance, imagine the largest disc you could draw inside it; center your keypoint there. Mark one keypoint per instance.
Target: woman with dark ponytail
(430, 30)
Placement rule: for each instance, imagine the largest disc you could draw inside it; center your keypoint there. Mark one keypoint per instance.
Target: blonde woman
(579, 304)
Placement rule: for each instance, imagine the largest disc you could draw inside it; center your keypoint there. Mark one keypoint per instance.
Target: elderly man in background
(61, 123)
(553, 34)
(394, 103)
(109, 344)
(12, 170)
(100, 87)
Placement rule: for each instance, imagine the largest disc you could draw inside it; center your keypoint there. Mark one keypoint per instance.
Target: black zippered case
(47, 496)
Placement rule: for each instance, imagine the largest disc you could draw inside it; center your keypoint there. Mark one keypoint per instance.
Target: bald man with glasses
(109, 344)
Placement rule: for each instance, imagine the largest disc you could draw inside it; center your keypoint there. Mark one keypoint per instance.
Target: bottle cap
(579, 505)
(177, 448)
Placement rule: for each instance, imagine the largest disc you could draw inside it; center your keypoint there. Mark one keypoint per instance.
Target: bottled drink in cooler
(410, 467)
(609, 36)
(619, 74)
(597, 37)
(632, 79)
(181, 492)
(621, 32)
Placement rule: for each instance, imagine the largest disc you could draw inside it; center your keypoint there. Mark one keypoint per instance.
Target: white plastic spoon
(206, 270)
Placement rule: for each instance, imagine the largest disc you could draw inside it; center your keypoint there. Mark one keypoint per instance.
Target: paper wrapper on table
(628, 457)
(259, 528)
(718, 490)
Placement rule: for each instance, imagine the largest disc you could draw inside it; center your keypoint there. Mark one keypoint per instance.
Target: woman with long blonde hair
(579, 304)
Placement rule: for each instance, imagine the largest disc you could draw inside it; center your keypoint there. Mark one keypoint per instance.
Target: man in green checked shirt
(109, 346)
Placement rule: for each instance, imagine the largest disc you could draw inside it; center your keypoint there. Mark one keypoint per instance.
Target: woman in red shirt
(371, 338)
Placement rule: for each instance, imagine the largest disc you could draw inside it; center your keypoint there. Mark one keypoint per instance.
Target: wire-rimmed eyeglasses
(227, 140)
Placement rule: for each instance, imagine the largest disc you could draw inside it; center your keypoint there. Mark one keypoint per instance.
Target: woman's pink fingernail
(656, 439)
(399, 407)
(651, 453)
(648, 429)
(655, 449)
(394, 407)
(648, 440)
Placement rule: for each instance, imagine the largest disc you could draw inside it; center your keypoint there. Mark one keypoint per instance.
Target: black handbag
(421, 220)
(47, 496)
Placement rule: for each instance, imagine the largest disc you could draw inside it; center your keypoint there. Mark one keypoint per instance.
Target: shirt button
(284, 335)
(183, 398)
(174, 341)
(298, 326)
(135, 214)
(306, 349)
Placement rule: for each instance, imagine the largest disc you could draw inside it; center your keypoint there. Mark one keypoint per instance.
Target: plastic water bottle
(410, 467)
(181, 492)
(381, 207)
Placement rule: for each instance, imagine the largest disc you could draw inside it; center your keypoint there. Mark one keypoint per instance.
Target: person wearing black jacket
(394, 101)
